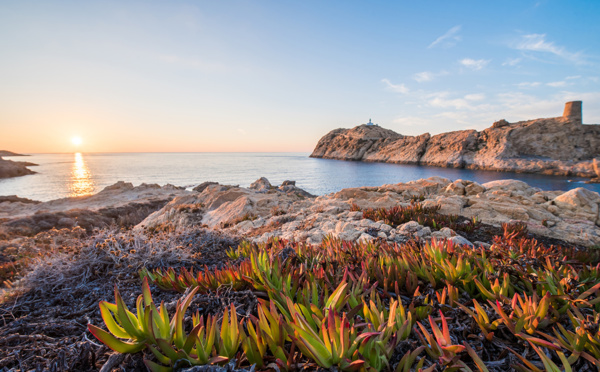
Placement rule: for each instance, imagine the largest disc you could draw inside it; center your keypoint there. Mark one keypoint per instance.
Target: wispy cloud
(475, 97)
(398, 88)
(512, 62)
(449, 39)
(538, 43)
(424, 76)
(445, 100)
(557, 84)
(428, 75)
(474, 64)
(529, 84)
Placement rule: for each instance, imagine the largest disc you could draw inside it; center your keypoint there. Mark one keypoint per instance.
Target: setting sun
(76, 141)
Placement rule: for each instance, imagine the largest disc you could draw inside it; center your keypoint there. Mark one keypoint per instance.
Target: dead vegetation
(43, 325)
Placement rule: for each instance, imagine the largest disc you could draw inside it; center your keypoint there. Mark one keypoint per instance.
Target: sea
(77, 174)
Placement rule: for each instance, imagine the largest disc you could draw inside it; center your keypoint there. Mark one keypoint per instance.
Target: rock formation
(557, 146)
(9, 168)
(120, 204)
(10, 153)
(571, 216)
(291, 213)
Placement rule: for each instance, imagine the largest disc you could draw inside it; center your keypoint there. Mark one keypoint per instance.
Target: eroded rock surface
(556, 146)
(571, 216)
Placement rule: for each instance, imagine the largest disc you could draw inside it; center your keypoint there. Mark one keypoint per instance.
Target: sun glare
(76, 141)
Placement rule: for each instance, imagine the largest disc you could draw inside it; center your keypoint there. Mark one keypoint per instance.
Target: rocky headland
(10, 153)
(555, 146)
(9, 168)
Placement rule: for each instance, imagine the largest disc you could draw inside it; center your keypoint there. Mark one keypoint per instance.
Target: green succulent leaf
(114, 343)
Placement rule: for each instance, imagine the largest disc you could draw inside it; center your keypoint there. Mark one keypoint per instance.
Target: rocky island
(555, 146)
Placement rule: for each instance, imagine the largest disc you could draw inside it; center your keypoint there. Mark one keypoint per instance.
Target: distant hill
(10, 153)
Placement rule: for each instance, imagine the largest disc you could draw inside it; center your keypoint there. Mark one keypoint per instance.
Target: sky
(178, 76)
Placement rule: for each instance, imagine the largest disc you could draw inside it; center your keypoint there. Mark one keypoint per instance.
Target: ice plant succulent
(336, 343)
(129, 333)
(340, 304)
(528, 313)
(439, 345)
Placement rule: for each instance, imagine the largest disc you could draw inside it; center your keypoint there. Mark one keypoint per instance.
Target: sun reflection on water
(81, 178)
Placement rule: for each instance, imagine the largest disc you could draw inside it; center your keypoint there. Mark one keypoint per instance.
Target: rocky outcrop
(261, 184)
(9, 168)
(289, 212)
(121, 204)
(571, 216)
(222, 206)
(114, 196)
(16, 199)
(556, 146)
(596, 166)
(10, 153)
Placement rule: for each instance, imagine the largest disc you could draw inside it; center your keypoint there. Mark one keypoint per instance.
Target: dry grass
(43, 322)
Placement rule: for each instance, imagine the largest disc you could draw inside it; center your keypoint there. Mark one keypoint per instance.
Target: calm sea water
(62, 175)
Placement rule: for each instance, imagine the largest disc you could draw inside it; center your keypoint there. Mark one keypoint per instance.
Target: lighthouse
(371, 124)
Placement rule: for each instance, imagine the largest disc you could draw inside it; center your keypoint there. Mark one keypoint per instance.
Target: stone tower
(573, 111)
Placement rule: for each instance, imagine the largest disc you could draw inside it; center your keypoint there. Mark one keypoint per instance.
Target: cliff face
(559, 146)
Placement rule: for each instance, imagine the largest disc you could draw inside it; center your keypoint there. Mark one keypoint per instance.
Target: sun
(76, 141)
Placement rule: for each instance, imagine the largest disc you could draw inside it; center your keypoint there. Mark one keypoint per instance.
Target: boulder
(473, 188)
(510, 187)
(459, 240)
(261, 184)
(455, 188)
(409, 228)
(579, 203)
(231, 212)
(201, 187)
(119, 186)
(579, 199)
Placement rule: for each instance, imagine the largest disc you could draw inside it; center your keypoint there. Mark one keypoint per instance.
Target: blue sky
(277, 75)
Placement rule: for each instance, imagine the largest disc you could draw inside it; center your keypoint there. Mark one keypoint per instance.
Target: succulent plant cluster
(373, 306)
(416, 211)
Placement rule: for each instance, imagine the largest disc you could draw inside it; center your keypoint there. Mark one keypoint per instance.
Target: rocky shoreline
(262, 210)
(285, 212)
(9, 168)
(554, 146)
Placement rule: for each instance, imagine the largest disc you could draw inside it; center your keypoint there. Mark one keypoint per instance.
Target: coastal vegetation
(193, 297)
(372, 279)
(374, 306)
